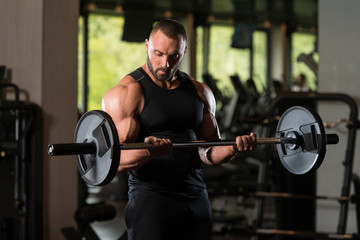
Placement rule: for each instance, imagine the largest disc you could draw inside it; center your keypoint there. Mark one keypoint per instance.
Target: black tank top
(175, 114)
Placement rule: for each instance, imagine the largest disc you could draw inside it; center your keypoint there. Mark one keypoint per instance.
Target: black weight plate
(100, 168)
(309, 156)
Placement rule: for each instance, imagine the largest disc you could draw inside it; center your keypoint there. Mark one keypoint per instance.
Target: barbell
(300, 138)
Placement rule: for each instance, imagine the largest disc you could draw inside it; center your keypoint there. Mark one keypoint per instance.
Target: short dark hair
(171, 28)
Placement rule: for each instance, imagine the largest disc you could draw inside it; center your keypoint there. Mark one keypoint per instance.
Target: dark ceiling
(292, 12)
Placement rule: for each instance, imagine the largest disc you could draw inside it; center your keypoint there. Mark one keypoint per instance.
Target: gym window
(224, 60)
(109, 58)
(303, 45)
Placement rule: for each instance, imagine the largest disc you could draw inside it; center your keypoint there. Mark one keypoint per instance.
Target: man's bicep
(126, 121)
(209, 129)
(128, 129)
(123, 108)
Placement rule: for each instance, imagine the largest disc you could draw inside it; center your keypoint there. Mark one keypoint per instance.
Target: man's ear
(146, 44)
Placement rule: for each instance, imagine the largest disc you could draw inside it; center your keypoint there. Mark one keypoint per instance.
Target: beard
(160, 77)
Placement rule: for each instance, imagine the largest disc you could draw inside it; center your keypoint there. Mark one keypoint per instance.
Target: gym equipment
(306, 234)
(301, 144)
(21, 152)
(300, 196)
(84, 217)
(345, 198)
(313, 140)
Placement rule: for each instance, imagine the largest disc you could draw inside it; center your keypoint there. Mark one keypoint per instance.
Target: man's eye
(157, 53)
(175, 56)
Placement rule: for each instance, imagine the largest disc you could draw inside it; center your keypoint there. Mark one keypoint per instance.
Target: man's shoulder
(128, 83)
(126, 86)
(198, 85)
(126, 95)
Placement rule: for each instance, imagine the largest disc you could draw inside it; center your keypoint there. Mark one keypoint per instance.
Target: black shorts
(155, 216)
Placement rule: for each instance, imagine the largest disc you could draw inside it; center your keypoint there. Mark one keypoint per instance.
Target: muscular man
(159, 104)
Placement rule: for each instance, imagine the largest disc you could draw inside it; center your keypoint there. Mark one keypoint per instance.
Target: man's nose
(165, 61)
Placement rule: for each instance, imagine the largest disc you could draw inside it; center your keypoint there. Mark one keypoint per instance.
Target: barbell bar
(90, 148)
(300, 138)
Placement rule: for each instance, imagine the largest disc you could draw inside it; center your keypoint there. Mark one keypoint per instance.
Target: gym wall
(339, 72)
(39, 48)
